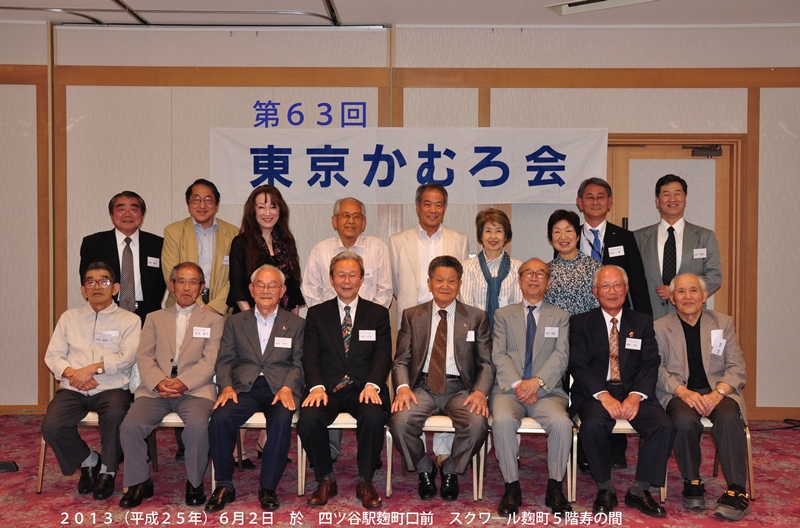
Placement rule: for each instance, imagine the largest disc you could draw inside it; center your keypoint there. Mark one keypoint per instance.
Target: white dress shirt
(205, 247)
(588, 237)
(429, 248)
(608, 318)
(451, 368)
(662, 239)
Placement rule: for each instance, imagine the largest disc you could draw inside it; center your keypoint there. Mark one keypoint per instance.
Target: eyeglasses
(271, 286)
(190, 282)
(356, 217)
(617, 286)
(91, 283)
(529, 274)
(196, 199)
(342, 276)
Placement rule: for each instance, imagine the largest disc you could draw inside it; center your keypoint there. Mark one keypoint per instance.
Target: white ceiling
(394, 12)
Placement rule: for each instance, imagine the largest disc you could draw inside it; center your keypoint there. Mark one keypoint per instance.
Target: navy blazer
(631, 262)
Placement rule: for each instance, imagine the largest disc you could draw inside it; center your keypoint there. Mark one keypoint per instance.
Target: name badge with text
(368, 273)
(283, 342)
(551, 331)
(616, 251)
(201, 331)
(103, 338)
(226, 260)
(366, 335)
(631, 343)
(470, 336)
(154, 262)
(700, 253)
(719, 347)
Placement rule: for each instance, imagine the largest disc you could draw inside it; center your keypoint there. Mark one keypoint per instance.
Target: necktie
(347, 330)
(596, 246)
(670, 258)
(530, 334)
(436, 366)
(127, 283)
(613, 351)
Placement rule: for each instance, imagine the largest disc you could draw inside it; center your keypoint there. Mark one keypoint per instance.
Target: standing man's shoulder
(446, 231)
(227, 228)
(100, 236)
(583, 320)
(149, 238)
(619, 232)
(666, 322)
(176, 228)
(645, 231)
(399, 238)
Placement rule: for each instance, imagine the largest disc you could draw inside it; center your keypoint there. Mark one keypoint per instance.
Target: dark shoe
(511, 501)
(369, 497)
(583, 467)
(220, 498)
(645, 503)
(89, 477)
(268, 499)
(104, 487)
(693, 498)
(618, 460)
(449, 491)
(605, 501)
(326, 488)
(195, 496)
(133, 497)
(556, 501)
(427, 484)
(732, 505)
(180, 454)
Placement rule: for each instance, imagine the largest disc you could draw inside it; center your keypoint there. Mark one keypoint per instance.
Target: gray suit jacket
(197, 358)
(674, 369)
(694, 237)
(473, 358)
(550, 354)
(240, 360)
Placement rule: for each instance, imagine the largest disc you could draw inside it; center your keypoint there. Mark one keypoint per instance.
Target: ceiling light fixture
(581, 6)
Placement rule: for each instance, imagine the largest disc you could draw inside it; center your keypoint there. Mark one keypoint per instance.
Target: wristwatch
(541, 382)
(99, 370)
(721, 391)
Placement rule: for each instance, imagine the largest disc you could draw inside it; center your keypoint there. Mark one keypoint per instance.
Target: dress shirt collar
(186, 311)
(422, 235)
(353, 307)
(121, 238)
(450, 309)
(588, 235)
(608, 318)
(212, 227)
(663, 225)
(261, 319)
(526, 304)
(89, 311)
(360, 243)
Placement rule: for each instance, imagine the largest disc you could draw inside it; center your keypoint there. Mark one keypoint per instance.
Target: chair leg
(750, 464)
(573, 492)
(301, 468)
(716, 463)
(389, 454)
(482, 475)
(239, 449)
(152, 450)
(475, 470)
(213, 477)
(664, 487)
(42, 455)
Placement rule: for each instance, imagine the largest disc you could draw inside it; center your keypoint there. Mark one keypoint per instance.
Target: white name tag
(616, 251)
(114, 333)
(719, 347)
(470, 336)
(283, 342)
(700, 253)
(199, 331)
(631, 343)
(102, 338)
(366, 335)
(368, 273)
(551, 331)
(226, 260)
(502, 301)
(154, 262)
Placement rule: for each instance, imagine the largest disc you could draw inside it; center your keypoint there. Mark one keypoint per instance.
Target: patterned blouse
(571, 289)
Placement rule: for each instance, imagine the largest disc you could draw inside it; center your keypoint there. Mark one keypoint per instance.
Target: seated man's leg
(59, 429)
(194, 413)
(406, 427)
(689, 431)
(111, 407)
(551, 413)
(371, 419)
(470, 435)
(657, 434)
(222, 431)
(279, 437)
(731, 442)
(144, 415)
(595, 435)
(507, 414)
(312, 428)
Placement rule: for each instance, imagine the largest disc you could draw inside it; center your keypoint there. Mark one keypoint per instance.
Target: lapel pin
(284, 329)
(630, 335)
(465, 325)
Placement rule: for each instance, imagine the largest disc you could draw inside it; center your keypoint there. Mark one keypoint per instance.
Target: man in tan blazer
(702, 375)
(203, 239)
(176, 356)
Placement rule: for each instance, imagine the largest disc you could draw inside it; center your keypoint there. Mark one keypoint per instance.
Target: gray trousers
(550, 412)
(471, 429)
(145, 414)
(728, 433)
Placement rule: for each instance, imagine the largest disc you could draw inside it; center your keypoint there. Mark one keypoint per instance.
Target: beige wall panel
(18, 274)
(628, 110)
(23, 43)
(221, 47)
(117, 138)
(778, 249)
(651, 47)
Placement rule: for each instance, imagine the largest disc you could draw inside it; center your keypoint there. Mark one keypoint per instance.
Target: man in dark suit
(614, 361)
(259, 369)
(346, 358)
(443, 365)
(127, 210)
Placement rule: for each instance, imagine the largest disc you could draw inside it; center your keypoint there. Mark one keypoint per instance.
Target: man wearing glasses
(91, 353)
(530, 352)
(203, 239)
(259, 369)
(176, 356)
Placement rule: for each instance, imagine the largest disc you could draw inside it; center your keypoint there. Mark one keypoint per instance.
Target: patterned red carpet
(776, 454)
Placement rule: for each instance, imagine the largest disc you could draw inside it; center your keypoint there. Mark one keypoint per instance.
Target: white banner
(385, 165)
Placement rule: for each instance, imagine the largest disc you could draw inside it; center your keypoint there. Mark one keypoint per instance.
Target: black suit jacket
(324, 361)
(102, 247)
(631, 262)
(589, 356)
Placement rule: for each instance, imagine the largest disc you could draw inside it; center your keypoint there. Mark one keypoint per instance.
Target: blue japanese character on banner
(379, 157)
(354, 114)
(266, 114)
(327, 162)
(549, 158)
(271, 164)
(426, 169)
(489, 161)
